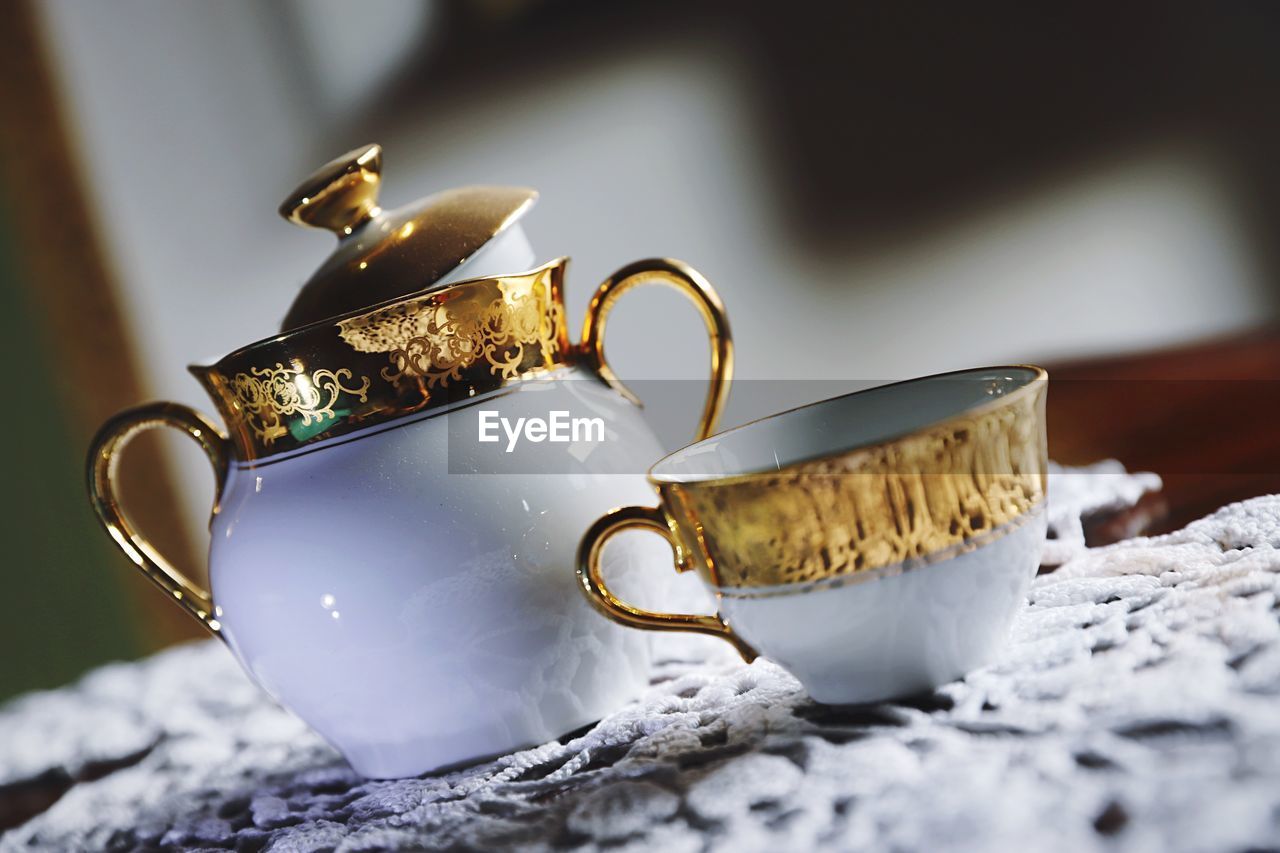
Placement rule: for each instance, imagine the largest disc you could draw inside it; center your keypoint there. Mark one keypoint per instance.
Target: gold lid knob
(340, 195)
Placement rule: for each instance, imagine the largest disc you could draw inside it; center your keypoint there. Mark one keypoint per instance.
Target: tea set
(420, 612)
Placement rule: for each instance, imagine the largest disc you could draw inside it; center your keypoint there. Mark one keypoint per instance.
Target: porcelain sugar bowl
(415, 608)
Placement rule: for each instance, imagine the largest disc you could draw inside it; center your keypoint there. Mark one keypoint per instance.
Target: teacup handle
(103, 458)
(592, 547)
(691, 283)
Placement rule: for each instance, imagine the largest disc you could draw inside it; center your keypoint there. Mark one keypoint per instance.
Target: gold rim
(341, 375)
(1041, 375)
(434, 349)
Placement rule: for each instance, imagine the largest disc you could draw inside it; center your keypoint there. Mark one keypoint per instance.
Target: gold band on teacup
(333, 378)
(969, 478)
(909, 565)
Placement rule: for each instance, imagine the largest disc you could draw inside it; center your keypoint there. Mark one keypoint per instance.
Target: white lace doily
(1137, 704)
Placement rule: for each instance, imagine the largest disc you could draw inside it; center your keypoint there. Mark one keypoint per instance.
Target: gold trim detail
(271, 394)
(838, 581)
(432, 349)
(437, 341)
(867, 508)
(332, 378)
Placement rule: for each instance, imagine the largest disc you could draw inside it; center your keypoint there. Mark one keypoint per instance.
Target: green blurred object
(62, 610)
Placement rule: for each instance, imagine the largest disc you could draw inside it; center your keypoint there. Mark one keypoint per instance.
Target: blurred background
(877, 190)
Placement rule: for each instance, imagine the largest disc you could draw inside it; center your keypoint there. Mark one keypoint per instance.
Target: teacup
(875, 545)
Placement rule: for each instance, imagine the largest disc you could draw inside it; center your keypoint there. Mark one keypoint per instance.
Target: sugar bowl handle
(691, 283)
(592, 582)
(103, 458)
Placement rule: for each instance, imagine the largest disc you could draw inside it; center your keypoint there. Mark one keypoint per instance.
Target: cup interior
(841, 424)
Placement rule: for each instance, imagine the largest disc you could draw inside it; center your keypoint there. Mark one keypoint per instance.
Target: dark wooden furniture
(1206, 418)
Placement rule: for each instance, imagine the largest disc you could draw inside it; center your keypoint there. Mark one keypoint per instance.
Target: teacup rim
(1039, 374)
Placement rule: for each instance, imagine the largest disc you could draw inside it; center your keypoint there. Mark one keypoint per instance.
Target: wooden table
(1206, 418)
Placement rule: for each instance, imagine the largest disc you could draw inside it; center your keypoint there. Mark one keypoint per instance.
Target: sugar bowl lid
(383, 255)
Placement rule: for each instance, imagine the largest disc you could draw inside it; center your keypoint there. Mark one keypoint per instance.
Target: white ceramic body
(419, 618)
(897, 631)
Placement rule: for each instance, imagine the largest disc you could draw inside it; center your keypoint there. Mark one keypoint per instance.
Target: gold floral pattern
(402, 358)
(436, 341)
(431, 350)
(269, 395)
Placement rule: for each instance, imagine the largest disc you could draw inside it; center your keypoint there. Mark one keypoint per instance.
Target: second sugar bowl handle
(691, 283)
